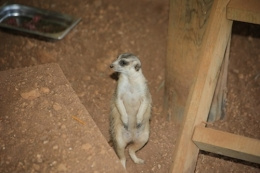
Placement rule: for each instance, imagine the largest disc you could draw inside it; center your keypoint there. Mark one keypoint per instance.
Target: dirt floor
(45, 128)
(109, 28)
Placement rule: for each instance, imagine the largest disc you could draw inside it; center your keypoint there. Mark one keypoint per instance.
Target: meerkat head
(126, 63)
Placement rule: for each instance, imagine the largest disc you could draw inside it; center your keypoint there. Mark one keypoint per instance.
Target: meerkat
(130, 108)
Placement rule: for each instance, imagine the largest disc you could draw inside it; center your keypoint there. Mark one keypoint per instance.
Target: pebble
(241, 76)
(86, 146)
(33, 94)
(62, 167)
(45, 90)
(53, 163)
(87, 78)
(56, 106)
(55, 147)
(29, 45)
(39, 158)
(63, 126)
(36, 167)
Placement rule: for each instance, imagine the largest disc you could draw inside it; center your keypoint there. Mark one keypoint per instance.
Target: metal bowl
(36, 21)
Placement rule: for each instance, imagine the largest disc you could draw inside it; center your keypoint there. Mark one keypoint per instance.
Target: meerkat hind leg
(120, 150)
(135, 146)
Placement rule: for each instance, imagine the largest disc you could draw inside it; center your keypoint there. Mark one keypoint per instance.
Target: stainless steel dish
(36, 21)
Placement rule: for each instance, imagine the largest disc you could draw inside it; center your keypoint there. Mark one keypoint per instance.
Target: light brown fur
(130, 108)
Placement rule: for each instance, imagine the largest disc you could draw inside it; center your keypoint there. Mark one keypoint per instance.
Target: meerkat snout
(130, 108)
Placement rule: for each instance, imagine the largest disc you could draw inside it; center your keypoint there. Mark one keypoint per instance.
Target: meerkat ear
(137, 67)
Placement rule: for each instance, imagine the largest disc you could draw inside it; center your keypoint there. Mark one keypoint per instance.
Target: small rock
(56, 106)
(45, 90)
(33, 94)
(87, 78)
(46, 56)
(62, 167)
(241, 76)
(20, 165)
(36, 167)
(39, 158)
(55, 147)
(29, 45)
(86, 146)
(53, 163)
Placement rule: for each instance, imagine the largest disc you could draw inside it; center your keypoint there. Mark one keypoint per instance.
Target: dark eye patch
(123, 63)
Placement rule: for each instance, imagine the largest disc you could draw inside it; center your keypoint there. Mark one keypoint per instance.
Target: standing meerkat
(130, 108)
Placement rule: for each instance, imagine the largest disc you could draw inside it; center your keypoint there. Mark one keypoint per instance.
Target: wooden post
(187, 24)
(198, 103)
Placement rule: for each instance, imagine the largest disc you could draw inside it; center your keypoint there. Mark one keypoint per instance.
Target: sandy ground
(109, 28)
(45, 128)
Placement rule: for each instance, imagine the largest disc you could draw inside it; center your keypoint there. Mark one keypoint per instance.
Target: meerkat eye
(123, 63)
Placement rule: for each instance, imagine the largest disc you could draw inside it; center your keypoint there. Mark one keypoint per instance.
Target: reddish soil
(109, 28)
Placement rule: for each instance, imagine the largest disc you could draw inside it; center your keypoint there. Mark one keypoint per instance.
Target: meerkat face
(126, 63)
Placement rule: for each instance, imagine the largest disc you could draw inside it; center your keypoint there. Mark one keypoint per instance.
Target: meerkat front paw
(138, 125)
(125, 126)
(124, 120)
(139, 120)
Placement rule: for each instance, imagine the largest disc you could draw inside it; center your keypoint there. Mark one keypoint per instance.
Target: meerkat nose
(111, 65)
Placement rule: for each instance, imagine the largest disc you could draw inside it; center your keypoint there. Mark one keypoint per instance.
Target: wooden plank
(187, 25)
(200, 97)
(244, 11)
(227, 144)
(218, 105)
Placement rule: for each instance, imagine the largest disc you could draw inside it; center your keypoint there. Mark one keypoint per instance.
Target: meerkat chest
(131, 94)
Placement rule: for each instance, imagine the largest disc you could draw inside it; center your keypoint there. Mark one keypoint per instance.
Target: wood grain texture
(227, 144)
(218, 105)
(187, 25)
(244, 11)
(201, 94)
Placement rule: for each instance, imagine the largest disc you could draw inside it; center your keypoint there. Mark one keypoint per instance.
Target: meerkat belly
(132, 104)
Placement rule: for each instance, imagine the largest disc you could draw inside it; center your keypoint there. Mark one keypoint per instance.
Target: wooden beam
(227, 144)
(218, 105)
(244, 11)
(187, 25)
(200, 97)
